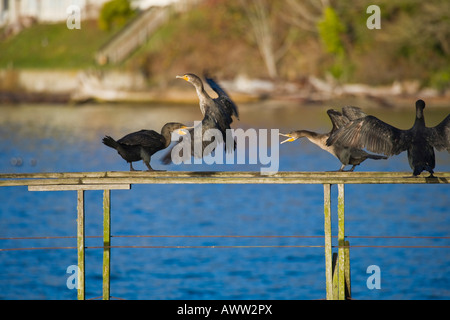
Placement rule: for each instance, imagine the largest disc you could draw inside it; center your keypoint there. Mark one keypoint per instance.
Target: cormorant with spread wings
(377, 136)
(217, 114)
(345, 154)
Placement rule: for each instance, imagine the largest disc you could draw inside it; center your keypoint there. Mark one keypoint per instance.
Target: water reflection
(68, 138)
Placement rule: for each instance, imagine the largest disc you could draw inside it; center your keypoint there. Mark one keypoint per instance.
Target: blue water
(58, 139)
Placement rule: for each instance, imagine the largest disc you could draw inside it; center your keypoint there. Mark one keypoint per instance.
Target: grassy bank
(53, 46)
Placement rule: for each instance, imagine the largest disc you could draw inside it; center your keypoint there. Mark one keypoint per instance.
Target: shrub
(115, 13)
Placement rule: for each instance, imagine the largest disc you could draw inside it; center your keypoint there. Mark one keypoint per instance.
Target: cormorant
(217, 114)
(377, 136)
(345, 154)
(141, 145)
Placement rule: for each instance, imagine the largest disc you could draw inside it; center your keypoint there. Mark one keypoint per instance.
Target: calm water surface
(68, 138)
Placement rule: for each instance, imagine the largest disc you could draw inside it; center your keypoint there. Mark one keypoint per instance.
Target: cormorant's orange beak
(185, 77)
(183, 130)
(286, 135)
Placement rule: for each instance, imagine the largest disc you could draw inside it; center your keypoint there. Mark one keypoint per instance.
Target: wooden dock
(337, 265)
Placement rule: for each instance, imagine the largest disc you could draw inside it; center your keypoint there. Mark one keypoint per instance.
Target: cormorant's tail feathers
(110, 142)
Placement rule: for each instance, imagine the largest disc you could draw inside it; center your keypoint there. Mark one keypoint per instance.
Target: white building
(51, 11)
(145, 4)
(45, 11)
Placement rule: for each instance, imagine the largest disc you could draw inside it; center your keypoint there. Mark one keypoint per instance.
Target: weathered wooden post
(327, 228)
(106, 243)
(348, 286)
(335, 277)
(80, 244)
(341, 241)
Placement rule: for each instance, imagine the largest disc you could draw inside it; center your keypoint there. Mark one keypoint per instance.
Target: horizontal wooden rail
(213, 177)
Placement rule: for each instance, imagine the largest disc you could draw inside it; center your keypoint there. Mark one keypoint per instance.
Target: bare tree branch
(306, 14)
(258, 14)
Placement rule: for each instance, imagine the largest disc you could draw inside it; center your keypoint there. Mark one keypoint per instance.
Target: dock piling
(106, 243)
(80, 245)
(348, 289)
(328, 250)
(341, 239)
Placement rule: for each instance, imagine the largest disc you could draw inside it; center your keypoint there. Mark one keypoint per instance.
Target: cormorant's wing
(439, 136)
(145, 138)
(217, 118)
(353, 113)
(337, 119)
(215, 86)
(221, 112)
(210, 139)
(223, 98)
(373, 134)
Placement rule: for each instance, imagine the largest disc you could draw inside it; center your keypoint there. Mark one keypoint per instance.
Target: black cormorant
(141, 145)
(345, 154)
(377, 136)
(217, 114)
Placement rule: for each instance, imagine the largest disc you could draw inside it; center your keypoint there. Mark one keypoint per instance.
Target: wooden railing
(337, 265)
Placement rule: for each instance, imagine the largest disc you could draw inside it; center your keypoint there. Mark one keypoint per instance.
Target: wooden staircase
(138, 31)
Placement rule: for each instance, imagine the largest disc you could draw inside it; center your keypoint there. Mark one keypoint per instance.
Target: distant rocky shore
(76, 87)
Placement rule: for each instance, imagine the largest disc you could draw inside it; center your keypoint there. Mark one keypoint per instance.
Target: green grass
(53, 46)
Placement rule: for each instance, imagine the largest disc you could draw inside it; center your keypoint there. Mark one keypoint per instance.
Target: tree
(115, 12)
(330, 30)
(262, 16)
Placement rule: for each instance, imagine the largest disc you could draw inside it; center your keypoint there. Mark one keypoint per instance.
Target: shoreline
(176, 97)
(77, 87)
